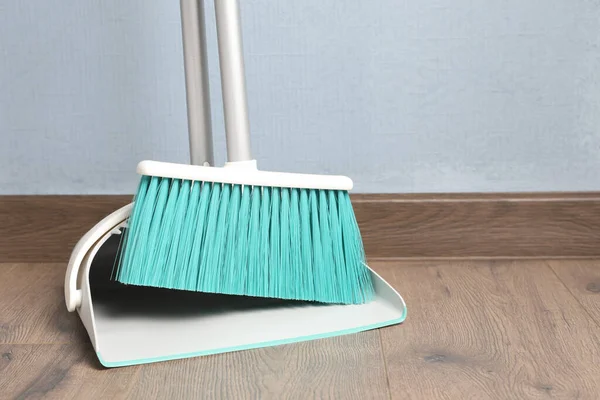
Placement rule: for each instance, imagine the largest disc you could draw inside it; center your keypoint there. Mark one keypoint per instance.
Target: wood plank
(582, 279)
(39, 371)
(338, 368)
(489, 330)
(32, 305)
(344, 367)
(101, 383)
(59, 371)
(45, 228)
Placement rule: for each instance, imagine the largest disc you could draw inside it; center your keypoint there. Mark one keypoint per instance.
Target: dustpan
(134, 325)
(131, 325)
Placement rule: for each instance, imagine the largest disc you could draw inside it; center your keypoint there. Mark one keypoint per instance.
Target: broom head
(240, 231)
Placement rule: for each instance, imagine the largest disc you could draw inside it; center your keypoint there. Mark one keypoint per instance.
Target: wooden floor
(475, 330)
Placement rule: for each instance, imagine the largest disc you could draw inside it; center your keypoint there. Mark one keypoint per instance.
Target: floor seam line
(597, 323)
(385, 366)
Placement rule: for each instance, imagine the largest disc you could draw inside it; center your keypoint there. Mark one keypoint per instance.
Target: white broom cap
(244, 173)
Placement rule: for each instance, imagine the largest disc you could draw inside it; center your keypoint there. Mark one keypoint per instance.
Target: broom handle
(196, 82)
(233, 81)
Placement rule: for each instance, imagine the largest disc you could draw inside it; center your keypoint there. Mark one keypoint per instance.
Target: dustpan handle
(196, 82)
(73, 295)
(233, 80)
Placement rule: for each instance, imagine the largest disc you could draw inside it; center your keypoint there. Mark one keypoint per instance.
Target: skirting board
(549, 225)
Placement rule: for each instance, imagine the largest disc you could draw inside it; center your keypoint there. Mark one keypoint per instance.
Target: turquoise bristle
(274, 244)
(285, 245)
(296, 281)
(232, 215)
(327, 250)
(308, 276)
(213, 232)
(301, 244)
(148, 256)
(199, 227)
(254, 247)
(167, 227)
(169, 255)
(336, 237)
(317, 246)
(262, 279)
(235, 268)
(180, 254)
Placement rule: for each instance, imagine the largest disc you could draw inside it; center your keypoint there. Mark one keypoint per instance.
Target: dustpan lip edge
(116, 364)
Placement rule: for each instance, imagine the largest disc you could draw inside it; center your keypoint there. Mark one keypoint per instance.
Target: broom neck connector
(249, 165)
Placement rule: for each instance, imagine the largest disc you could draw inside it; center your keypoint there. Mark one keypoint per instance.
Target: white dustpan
(134, 325)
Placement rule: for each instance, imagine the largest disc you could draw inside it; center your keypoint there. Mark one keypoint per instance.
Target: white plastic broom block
(243, 173)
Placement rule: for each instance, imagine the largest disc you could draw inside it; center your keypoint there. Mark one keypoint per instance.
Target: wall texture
(403, 96)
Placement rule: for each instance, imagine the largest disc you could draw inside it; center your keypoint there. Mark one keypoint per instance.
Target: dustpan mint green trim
(326, 335)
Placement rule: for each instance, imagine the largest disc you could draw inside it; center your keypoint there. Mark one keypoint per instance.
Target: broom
(237, 230)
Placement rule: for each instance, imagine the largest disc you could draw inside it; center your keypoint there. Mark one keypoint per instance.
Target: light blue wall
(403, 96)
